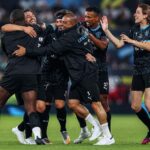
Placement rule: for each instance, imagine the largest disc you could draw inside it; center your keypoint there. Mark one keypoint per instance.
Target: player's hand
(90, 58)
(21, 51)
(125, 38)
(104, 23)
(30, 31)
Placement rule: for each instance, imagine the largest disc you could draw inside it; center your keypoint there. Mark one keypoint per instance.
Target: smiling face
(91, 18)
(59, 24)
(69, 21)
(30, 17)
(139, 16)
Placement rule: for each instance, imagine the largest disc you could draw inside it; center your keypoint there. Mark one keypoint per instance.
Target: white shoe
(95, 133)
(83, 135)
(19, 134)
(105, 141)
(30, 141)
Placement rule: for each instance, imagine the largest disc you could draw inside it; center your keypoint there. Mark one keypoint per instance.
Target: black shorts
(55, 92)
(41, 94)
(86, 91)
(21, 83)
(140, 82)
(19, 98)
(103, 82)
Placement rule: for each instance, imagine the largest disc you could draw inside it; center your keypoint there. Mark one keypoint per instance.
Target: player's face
(59, 24)
(66, 23)
(91, 18)
(30, 17)
(139, 16)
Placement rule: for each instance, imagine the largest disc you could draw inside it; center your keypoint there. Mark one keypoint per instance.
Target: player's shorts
(86, 91)
(55, 92)
(103, 82)
(41, 94)
(22, 83)
(140, 82)
(19, 99)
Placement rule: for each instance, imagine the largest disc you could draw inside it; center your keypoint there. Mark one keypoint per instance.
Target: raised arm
(12, 27)
(117, 42)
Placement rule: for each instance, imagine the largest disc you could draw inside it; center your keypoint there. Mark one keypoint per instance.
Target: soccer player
(42, 107)
(56, 79)
(73, 45)
(100, 44)
(18, 76)
(139, 37)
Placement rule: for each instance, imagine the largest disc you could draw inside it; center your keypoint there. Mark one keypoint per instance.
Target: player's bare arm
(12, 27)
(117, 42)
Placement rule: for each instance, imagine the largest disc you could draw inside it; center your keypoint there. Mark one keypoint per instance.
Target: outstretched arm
(57, 47)
(12, 27)
(104, 23)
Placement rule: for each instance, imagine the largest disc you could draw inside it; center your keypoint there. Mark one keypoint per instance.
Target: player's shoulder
(36, 27)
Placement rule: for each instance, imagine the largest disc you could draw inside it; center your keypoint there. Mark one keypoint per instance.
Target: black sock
(34, 120)
(81, 121)
(44, 119)
(61, 116)
(21, 126)
(28, 130)
(109, 119)
(143, 116)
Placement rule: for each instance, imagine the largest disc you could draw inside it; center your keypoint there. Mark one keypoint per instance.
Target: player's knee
(135, 107)
(59, 104)
(40, 107)
(95, 105)
(72, 105)
(148, 107)
(147, 104)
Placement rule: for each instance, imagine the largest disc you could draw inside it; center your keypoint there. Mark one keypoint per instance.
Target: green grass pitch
(127, 130)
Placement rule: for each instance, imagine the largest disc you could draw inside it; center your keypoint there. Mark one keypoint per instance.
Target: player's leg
(92, 92)
(146, 77)
(103, 84)
(19, 130)
(84, 133)
(138, 87)
(146, 140)
(80, 110)
(43, 109)
(29, 95)
(60, 98)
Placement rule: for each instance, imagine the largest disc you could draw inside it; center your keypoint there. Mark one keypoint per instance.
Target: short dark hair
(94, 9)
(59, 14)
(17, 15)
(29, 10)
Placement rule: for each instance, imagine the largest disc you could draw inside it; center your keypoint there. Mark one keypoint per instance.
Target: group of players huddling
(43, 59)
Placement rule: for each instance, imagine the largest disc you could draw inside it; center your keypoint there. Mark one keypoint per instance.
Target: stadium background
(120, 14)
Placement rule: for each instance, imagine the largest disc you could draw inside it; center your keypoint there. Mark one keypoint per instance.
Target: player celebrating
(139, 37)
